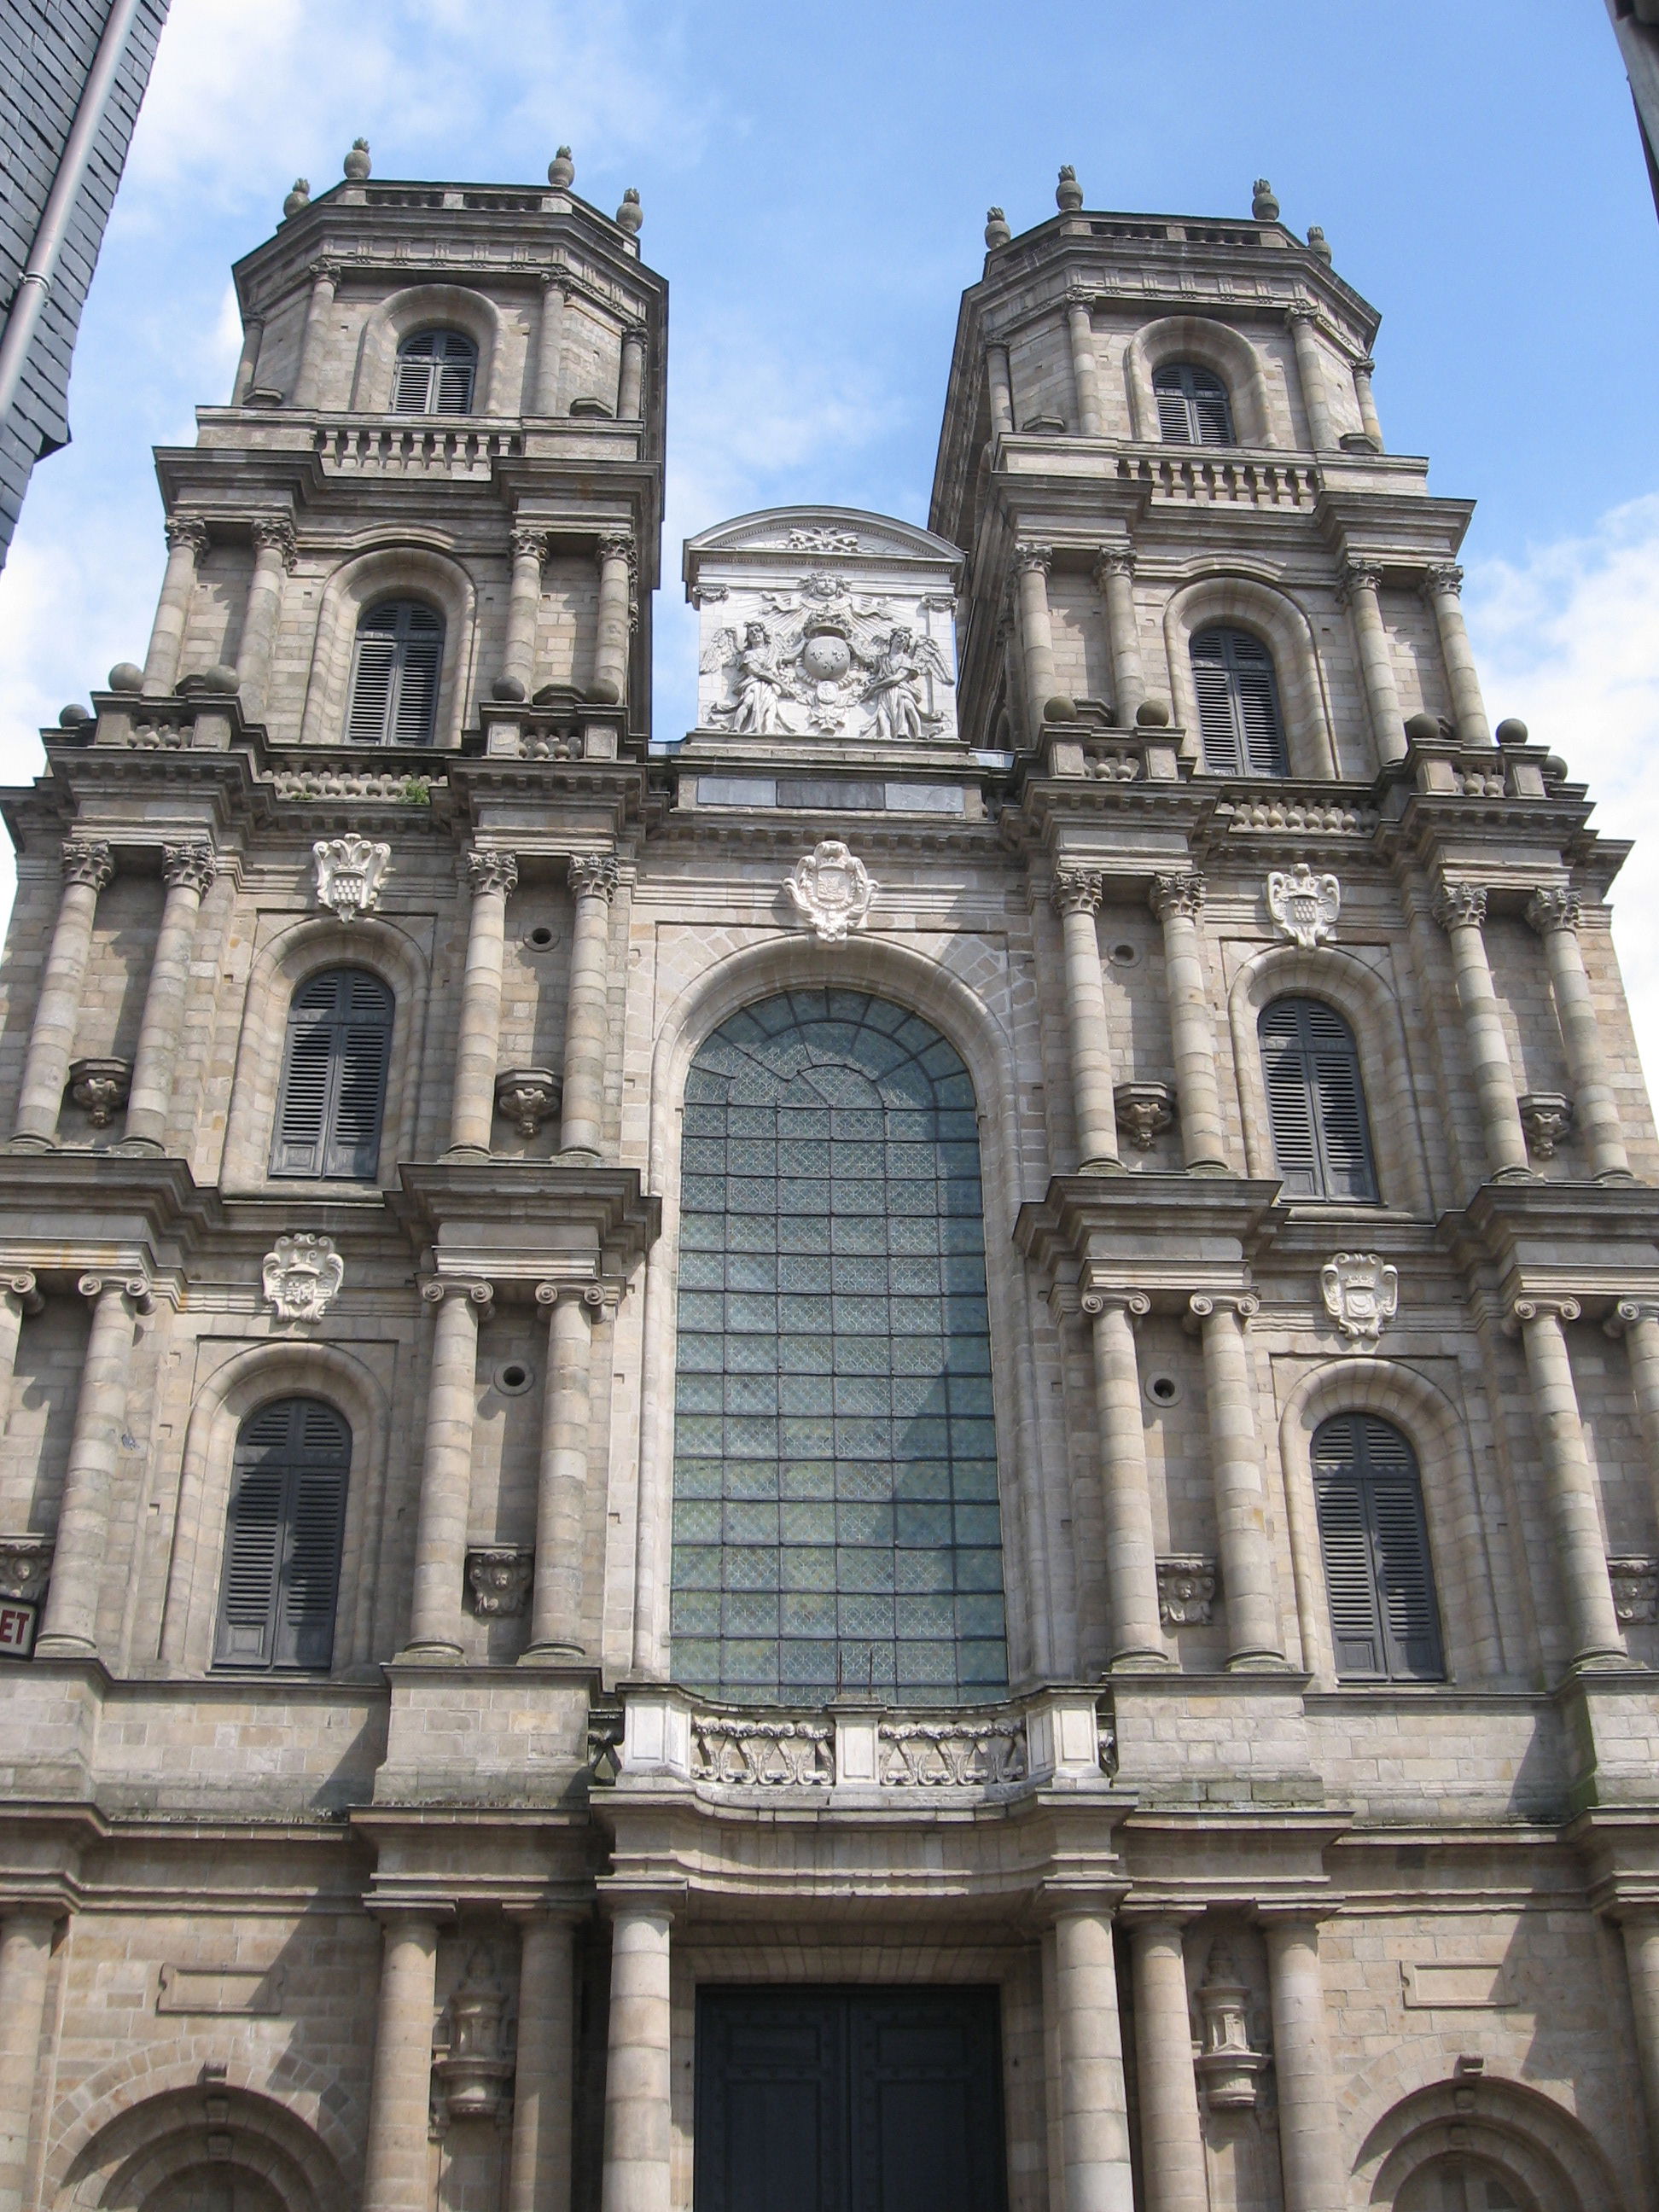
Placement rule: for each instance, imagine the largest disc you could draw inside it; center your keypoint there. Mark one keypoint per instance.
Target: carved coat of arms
(826, 659)
(1305, 906)
(349, 873)
(302, 1277)
(831, 891)
(1362, 1295)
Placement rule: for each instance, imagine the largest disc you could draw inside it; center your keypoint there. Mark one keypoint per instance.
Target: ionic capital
(1204, 1305)
(592, 1294)
(134, 1288)
(1135, 1303)
(23, 1287)
(1458, 905)
(186, 529)
(1179, 895)
(488, 869)
(1443, 577)
(1541, 1306)
(481, 1294)
(529, 546)
(1031, 558)
(194, 865)
(594, 875)
(1554, 908)
(273, 533)
(1629, 1313)
(1077, 890)
(88, 861)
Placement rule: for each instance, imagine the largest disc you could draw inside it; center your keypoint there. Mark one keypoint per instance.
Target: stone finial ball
(1511, 731)
(1263, 205)
(1423, 729)
(1059, 708)
(74, 717)
(561, 170)
(1318, 243)
(126, 676)
(603, 692)
(298, 198)
(1153, 714)
(219, 677)
(356, 164)
(997, 232)
(631, 215)
(1068, 193)
(508, 689)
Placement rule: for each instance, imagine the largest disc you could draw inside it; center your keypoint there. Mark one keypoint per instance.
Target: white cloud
(1569, 641)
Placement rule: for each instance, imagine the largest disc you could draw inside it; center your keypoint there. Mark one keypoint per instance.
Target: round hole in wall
(513, 1379)
(1125, 955)
(541, 937)
(1163, 1389)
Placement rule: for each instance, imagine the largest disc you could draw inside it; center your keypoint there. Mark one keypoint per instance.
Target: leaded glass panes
(836, 1524)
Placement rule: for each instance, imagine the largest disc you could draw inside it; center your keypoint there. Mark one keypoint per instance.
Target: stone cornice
(519, 1222)
(1160, 1233)
(1596, 1241)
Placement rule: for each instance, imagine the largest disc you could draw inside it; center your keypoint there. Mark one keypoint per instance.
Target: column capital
(1299, 314)
(1540, 1306)
(1135, 1303)
(1359, 575)
(1114, 561)
(437, 1288)
(1204, 1305)
(1181, 894)
(488, 869)
(634, 334)
(23, 1287)
(1554, 908)
(617, 545)
(133, 1287)
(88, 860)
(1365, 366)
(529, 544)
(1080, 295)
(273, 533)
(1441, 577)
(1031, 557)
(194, 864)
(1457, 905)
(324, 271)
(555, 280)
(1077, 890)
(592, 1294)
(180, 530)
(1629, 1313)
(594, 875)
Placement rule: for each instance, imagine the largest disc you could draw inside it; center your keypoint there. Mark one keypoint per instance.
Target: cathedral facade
(900, 1455)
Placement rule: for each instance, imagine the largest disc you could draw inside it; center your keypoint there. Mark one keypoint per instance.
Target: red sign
(16, 1629)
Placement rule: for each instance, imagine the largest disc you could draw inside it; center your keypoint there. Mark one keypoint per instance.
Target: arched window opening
(282, 1571)
(1384, 1622)
(1193, 408)
(1316, 1102)
(436, 372)
(395, 667)
(332, 1098)
(1238, 713)
(837, 1523)
(1461, 2185)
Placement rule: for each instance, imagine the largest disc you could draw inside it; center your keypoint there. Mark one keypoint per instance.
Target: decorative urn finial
(1263, 206)
(298, 198)
(1318, 243)
(356, 164)
(997, 232)
(1068, 193)
(631, 215)
(561, 170)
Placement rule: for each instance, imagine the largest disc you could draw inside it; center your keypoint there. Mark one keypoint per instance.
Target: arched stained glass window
(835, 1517)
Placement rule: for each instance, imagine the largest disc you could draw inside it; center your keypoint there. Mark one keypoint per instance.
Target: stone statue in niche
(825, 660)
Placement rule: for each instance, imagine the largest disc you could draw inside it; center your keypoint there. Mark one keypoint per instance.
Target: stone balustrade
(374, 446)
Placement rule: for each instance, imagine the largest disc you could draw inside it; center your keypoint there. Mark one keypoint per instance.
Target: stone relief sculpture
(1305, 906)
(831, 891)
(349, 870)
(302, 1277)
(828, 660)
(1361, 1292)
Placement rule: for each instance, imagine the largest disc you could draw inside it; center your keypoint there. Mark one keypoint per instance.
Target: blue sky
(815, 181)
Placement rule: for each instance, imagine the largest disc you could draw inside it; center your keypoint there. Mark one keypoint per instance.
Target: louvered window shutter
(1384, 1620)
(282, 1539)
(1175, 422)
(1223, 755)
(436, 371)
(1316, 1102)
(333, 1099)
(395, 675)
(1238, 716)
(1193, 405)
(414, 388)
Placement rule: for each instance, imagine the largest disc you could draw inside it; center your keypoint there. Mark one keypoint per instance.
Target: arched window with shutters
(395, 666)
(333, 1099)
(1385, 1624)
(1193, 408)
(1238, 711)
(282, 1535)
(436, 373)
(1316, 1102)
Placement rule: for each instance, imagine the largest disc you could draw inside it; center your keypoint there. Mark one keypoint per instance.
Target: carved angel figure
(899, 692)
(758, 684)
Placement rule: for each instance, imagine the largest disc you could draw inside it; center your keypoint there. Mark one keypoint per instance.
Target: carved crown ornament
(1303, 905)
(1361, 1292)
(831, 891)
(302, 1276)
(350, 873)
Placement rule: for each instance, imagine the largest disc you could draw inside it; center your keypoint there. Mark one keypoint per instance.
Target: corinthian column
(1077, 896)
(1094, 2104)
(1362, 582)
(555, 1623)
(435, 1628)
(1115, 579)
(549, 343)
(1461, 910)
(273, 556)
(68, 1628)
(1178, 901)
(1555, 915)
(1311, 373)
(593, 880)
(493, 876)
(1442, 587)
(1036, 632)
(1137, 1635)
(25, 1958)
(1086, 371)
(637, 2118)
(1309, 2141)
(325, 278)
(396, 2164)
(999, 385)
(187, 544)
(1171, 2131)
(187, 870)
(609, 684)
(1363, 373)
(518, 678)
(1255, 1630)
(630, 382)
(88, 867)
(1581, 1549)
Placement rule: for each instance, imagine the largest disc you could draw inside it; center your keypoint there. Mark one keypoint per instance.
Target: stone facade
(423, 1922)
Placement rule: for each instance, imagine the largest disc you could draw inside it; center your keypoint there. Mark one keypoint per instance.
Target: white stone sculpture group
(825, 660)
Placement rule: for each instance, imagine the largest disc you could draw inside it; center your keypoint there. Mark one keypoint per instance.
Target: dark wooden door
(848, 2100)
